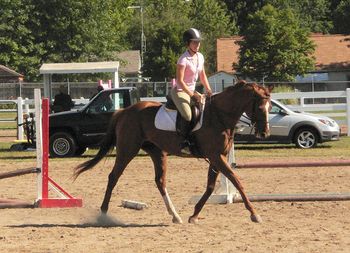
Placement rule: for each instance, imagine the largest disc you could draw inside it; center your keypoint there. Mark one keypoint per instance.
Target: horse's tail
(106, 145)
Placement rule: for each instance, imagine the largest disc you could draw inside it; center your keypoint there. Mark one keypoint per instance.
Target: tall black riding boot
(184, 131)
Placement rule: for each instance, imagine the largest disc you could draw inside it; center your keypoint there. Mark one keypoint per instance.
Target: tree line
(276, 32)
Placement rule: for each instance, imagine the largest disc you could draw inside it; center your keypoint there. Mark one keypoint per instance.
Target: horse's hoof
(193, 220)
(177, 220)
(256, 218)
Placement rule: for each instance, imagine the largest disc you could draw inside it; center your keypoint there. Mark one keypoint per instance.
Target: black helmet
(191, 34)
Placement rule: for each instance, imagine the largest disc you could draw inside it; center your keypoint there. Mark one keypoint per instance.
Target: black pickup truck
(73, 131)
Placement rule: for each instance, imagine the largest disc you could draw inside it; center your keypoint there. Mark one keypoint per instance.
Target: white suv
(287, 126)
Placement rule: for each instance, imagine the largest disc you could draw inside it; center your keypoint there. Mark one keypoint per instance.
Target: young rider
(189, 67)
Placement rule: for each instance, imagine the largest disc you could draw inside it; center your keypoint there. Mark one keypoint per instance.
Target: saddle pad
(166, 120)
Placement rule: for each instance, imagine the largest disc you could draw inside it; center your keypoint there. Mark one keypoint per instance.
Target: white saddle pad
(166, 120)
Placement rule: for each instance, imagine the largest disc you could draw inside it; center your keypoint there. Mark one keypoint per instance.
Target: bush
(285, 89)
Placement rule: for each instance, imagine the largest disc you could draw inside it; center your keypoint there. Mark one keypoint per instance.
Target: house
(8, 75)
(332, 54)
(220, 80)
(130, 64)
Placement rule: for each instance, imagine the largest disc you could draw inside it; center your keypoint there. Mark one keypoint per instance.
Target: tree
(165, 22)
(313, 14)
(39, 31)
(18, 49)
(241, 9)
(275, 46)
(72, 30)
(342, 17)
(211, 18)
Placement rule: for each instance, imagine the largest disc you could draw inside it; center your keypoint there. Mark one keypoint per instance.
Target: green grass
(334, 149)
(8, 125)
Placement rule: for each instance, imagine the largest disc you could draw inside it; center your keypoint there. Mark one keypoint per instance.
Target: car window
(109, 102)
(275, 109)
(103, 103)
(118, 100)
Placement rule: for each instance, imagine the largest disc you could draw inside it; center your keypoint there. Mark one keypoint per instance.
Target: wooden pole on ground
(19, 172)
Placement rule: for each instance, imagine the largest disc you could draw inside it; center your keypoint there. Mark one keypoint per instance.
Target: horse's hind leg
(222, 165)
(124, 156)
(159, 159)
(212, 176)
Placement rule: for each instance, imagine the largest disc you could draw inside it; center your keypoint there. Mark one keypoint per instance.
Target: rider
(189, 67)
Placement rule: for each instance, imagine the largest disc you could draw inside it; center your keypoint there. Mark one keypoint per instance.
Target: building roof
(79, 67)
(332, 52)
(130, 61)
(7, 74)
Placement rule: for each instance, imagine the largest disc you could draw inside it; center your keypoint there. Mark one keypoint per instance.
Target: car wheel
(306, 138)
(62, 145)
(80, 151)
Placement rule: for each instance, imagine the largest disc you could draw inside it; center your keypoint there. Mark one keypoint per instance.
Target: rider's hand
(196, 97)
(209, 93)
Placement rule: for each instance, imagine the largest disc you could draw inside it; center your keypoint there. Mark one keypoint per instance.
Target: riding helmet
(191, 34)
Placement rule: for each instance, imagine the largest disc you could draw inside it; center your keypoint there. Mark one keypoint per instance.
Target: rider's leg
(182, 101)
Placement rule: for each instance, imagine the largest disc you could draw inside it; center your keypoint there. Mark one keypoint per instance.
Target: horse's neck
(232, 104)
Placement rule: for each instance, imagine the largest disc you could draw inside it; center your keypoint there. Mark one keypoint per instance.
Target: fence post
(20, 135)
(26, 106)
(348, 109)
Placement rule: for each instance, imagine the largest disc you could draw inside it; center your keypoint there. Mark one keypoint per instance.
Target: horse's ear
(259, 90)
(270, 87)
(256, 88)
(240, 83)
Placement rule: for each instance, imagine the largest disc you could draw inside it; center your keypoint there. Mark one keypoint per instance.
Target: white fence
(327, 109)
(26, 106)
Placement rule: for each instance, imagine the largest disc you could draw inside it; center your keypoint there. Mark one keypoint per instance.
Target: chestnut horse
(132, 129)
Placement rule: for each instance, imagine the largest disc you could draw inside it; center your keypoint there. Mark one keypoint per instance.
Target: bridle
(255, 119)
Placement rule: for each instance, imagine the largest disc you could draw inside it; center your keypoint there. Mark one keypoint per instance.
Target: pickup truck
(73, 131)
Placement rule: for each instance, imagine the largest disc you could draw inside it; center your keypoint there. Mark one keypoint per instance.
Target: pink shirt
(192, 68)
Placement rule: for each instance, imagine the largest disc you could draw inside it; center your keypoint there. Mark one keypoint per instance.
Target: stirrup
(186, 150)
(185, 147)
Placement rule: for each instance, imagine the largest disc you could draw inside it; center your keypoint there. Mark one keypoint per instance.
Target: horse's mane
(240, 85)
(234, 88)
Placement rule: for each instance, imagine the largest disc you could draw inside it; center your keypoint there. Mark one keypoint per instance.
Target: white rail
(23, 105)
(329, 108)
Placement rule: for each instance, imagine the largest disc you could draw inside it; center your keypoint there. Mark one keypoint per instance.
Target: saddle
(196, 110)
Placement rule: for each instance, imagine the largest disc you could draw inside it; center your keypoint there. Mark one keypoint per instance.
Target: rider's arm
(204, 81)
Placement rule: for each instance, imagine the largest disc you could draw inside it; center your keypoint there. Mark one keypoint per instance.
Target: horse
(133, 128)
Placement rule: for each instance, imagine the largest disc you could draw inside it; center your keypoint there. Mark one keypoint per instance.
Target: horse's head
(258, 110)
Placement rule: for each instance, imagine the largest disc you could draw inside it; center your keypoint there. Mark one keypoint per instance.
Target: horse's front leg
(159, 159)
(222, 165)
(212, 176)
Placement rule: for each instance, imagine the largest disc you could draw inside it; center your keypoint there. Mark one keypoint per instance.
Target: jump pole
(226, 193)
(42, 155)
(16, 203)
